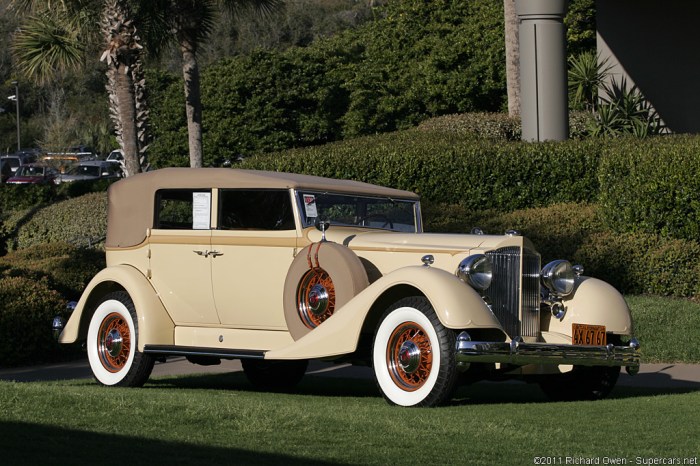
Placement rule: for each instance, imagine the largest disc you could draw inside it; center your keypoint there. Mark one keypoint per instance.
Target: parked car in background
(33, 174)
(90, 171)
(14, 161)
(60, 162)
(276, 269)
(115, 156)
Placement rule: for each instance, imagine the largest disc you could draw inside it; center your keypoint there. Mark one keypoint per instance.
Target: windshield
(30, 171)
(87, 170)
(363, 211)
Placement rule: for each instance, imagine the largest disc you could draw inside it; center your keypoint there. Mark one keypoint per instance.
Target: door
(254, 246)
(180, 261)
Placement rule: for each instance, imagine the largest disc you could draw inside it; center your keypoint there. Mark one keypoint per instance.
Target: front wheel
(112, 343)
(414, 355)
(581, 383)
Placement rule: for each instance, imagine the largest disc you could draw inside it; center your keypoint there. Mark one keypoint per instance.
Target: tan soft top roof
(131, 200)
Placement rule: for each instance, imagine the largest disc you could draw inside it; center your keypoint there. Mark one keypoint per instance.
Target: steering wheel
(379, 217)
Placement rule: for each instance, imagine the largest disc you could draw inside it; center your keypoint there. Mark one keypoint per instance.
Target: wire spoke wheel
(414, 355)
(114, 343)
(409, 356)
(315, 297)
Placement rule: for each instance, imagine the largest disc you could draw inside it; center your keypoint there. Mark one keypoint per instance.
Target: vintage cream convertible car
(276, 269)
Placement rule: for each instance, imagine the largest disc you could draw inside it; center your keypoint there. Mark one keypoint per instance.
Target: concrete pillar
(543, 81)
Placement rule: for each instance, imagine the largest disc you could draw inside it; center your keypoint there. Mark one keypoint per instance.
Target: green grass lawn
(668, 329)
(218, 419)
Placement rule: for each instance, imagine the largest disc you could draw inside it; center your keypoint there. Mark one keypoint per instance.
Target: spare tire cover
(323, 277)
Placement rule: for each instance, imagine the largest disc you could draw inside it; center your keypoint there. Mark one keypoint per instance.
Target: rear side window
(242, 209)
(183, 209)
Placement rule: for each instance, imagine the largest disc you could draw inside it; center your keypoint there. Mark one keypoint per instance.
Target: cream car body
(195, 267)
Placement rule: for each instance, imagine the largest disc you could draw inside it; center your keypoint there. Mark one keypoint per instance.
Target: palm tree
(55, 38)
(192, 21)
(512, 57)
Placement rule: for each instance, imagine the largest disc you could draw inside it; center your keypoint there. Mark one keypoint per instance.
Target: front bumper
(520, 353)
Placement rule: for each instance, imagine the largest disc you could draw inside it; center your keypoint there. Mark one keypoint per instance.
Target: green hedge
(17, 197)
(454, 168)
(635, 263)
(26, 314)
(652, 186)
(35, 285)
(64, 267)
(81, 221)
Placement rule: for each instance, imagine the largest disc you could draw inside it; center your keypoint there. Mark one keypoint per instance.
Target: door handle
(206, 253)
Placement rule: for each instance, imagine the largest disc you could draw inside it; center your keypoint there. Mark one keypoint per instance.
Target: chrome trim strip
(520, 353)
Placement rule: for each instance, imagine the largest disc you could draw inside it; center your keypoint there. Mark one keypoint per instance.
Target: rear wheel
(414, 355)
(274, 375)
(112, 343)
(581, 383)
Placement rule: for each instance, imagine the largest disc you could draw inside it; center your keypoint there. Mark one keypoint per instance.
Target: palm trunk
(122, 54)
(512, 57)
(193, 103)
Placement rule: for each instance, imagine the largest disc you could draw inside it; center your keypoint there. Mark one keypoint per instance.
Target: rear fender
(155, 325)
(456, 304)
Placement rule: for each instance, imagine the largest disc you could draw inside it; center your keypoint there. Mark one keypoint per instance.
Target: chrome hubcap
(318, 299)
(409, 357)
(113, 343)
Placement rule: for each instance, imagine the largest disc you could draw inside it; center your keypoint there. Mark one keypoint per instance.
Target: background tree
(512, 42)
(57, 37)
(192, 22)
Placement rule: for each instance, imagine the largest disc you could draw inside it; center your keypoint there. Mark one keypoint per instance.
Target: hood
(360, 239)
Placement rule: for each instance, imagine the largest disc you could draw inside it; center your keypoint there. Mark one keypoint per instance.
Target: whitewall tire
(414, 355)
(112, 343)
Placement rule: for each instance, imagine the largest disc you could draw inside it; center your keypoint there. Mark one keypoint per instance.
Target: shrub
(635, 263)
(26, 315)
(81, 221)
(64, 267)
(420, 59)
(453, 168)
(17, 197)
(653, 187)
(479, 125)
(638, 263)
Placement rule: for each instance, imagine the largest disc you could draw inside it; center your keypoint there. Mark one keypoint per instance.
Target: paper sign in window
(310, 206)
(201, 211)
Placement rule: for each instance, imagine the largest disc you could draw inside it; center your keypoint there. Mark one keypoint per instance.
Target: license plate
(589, 335)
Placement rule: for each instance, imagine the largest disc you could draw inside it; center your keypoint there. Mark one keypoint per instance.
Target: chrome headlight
(477, 271)
(558, 277)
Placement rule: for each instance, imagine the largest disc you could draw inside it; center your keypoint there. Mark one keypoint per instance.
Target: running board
(172, 350)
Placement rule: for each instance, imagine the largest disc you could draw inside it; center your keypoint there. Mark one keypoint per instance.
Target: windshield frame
(308, 221)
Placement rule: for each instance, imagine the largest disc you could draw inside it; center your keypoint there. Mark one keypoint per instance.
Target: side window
(183, 209)
(255, 210)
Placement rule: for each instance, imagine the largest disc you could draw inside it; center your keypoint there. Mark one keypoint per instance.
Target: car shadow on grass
(323, 386)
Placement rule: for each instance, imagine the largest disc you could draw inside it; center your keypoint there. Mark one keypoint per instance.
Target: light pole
(16, 99)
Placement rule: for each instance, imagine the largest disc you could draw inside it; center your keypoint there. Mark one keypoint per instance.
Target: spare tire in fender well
(332, 270)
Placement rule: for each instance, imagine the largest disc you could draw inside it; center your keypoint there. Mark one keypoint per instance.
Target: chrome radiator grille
(514, 293)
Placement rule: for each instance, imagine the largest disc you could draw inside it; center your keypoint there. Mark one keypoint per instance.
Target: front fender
(594, 302)
(457, 306)
(155, 325)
